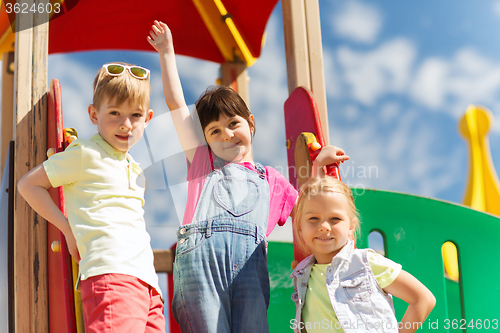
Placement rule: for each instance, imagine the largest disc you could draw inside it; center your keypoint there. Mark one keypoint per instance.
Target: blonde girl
(342, 289)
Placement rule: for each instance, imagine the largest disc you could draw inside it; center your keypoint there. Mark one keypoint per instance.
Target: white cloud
(350, 112)
(401, 156)
(428, 88)
(438, 83)
(452, 84)
(76, 90)
(358, 21)
(333, 87)
(384, 70)
(389, 111)
(496, 8)
(196, 76)
(268, 92)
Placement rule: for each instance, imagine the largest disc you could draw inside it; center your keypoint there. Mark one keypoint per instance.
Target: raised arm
(161, 39)
(420, 300)
(33, 187)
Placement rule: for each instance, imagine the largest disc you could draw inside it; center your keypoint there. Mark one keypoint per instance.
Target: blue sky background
(399, 75)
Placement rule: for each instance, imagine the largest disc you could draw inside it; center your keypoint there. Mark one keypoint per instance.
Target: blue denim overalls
(220, 270)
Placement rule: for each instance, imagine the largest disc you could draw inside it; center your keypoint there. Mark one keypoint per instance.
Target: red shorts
(121, 303)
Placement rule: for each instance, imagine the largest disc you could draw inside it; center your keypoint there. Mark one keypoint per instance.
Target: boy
(104, 199)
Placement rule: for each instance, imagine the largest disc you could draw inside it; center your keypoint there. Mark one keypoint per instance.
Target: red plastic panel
(61, 303)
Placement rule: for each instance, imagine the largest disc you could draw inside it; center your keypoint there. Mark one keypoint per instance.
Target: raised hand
(160, 37)
(328, 155)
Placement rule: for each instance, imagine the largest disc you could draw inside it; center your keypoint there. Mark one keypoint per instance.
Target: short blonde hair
(120, 88)
(319, 186)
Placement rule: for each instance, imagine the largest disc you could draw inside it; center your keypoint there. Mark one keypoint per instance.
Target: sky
(398, 76)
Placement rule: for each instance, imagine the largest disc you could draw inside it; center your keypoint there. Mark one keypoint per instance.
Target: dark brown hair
(218, 100)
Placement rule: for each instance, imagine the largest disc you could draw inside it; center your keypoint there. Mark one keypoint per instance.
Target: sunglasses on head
(138, 72)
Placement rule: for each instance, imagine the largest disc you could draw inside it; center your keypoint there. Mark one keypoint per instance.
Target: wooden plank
(296, 46)
(30, 258)
(164, 261)
(315, 52)
(7, 121)
(22, 212)
(11, 237)
(39, 285)
(235, 75)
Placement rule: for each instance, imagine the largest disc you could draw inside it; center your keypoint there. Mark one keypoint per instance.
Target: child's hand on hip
(328, 155)
(161, 37)
(72, 248)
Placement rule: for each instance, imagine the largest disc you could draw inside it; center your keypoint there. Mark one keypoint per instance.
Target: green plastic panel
(281, 308)
(415, 229)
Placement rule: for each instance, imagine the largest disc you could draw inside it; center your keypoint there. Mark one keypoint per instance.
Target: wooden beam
(22, 155)
(315, 52)
(235, 75)
(296, 46)
(30, 257)
(7, 119)
(164, 261)
(39, 296)
(304, 52)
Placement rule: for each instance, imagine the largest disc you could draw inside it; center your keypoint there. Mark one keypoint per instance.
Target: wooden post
(7, 121)
(296, 49)
(30, 233)
(39, 97)
(235, 75)
(316, 69)
(304, 53)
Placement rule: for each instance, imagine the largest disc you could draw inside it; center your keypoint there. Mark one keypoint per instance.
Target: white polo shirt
(104, 194)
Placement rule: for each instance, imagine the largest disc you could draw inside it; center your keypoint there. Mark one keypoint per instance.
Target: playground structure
(413, 227)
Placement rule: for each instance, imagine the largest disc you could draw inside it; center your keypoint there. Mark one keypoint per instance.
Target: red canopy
(111, 24)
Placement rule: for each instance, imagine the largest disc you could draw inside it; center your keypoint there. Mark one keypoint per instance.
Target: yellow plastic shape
(224, 32)
(55, 246)
(482, 191)
(70, 135)
(80, 322)
(50, 152)
(450, 259)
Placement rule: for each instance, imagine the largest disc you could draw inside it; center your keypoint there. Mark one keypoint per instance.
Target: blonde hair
(321, 186)
(121, 87)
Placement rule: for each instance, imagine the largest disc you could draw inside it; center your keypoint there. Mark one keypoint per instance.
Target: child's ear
(93, 114)
(252, 128)
(149, 116)
(354, 224)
